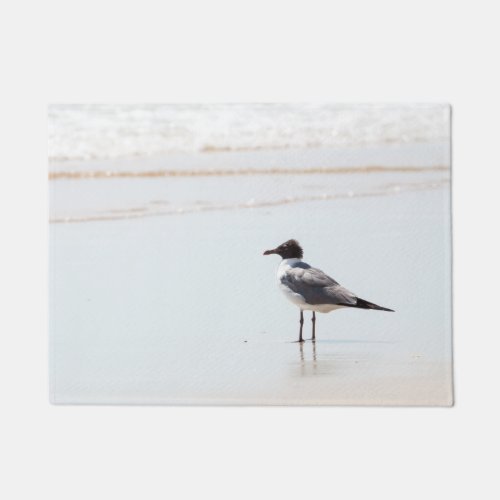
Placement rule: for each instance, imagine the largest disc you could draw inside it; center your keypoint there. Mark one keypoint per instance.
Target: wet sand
(182, 308)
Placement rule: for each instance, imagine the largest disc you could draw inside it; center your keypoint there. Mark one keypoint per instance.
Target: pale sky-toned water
(185, 183)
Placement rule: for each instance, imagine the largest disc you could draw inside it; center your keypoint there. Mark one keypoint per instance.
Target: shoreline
(139, 212)
(402, 155)
(109, 174)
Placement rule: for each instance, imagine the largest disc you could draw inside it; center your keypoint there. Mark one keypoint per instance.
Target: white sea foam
(97, 131)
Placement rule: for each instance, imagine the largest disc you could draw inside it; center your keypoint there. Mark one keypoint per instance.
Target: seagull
(310, 288)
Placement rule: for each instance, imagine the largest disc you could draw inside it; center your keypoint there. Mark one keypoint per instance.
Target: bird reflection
(308, 358)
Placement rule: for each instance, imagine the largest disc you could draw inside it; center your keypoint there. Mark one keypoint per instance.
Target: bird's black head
(288, 250)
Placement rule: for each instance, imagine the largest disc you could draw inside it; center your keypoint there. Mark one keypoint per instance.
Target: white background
(248, 51)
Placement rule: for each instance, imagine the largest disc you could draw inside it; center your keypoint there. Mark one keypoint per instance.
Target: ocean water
(159, 215)
(151, 160)
(103, 131)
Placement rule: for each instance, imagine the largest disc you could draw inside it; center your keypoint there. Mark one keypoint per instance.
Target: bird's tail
(364, 304)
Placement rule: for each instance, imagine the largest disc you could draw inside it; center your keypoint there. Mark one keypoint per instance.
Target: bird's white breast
(296, 298)
(285, 265)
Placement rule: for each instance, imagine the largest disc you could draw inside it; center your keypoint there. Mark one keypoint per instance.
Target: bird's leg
(301, 323)
(314, 326)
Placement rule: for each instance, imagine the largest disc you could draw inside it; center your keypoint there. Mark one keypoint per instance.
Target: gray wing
(317, 287)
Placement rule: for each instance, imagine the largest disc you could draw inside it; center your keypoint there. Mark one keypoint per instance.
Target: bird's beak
(269, 252)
